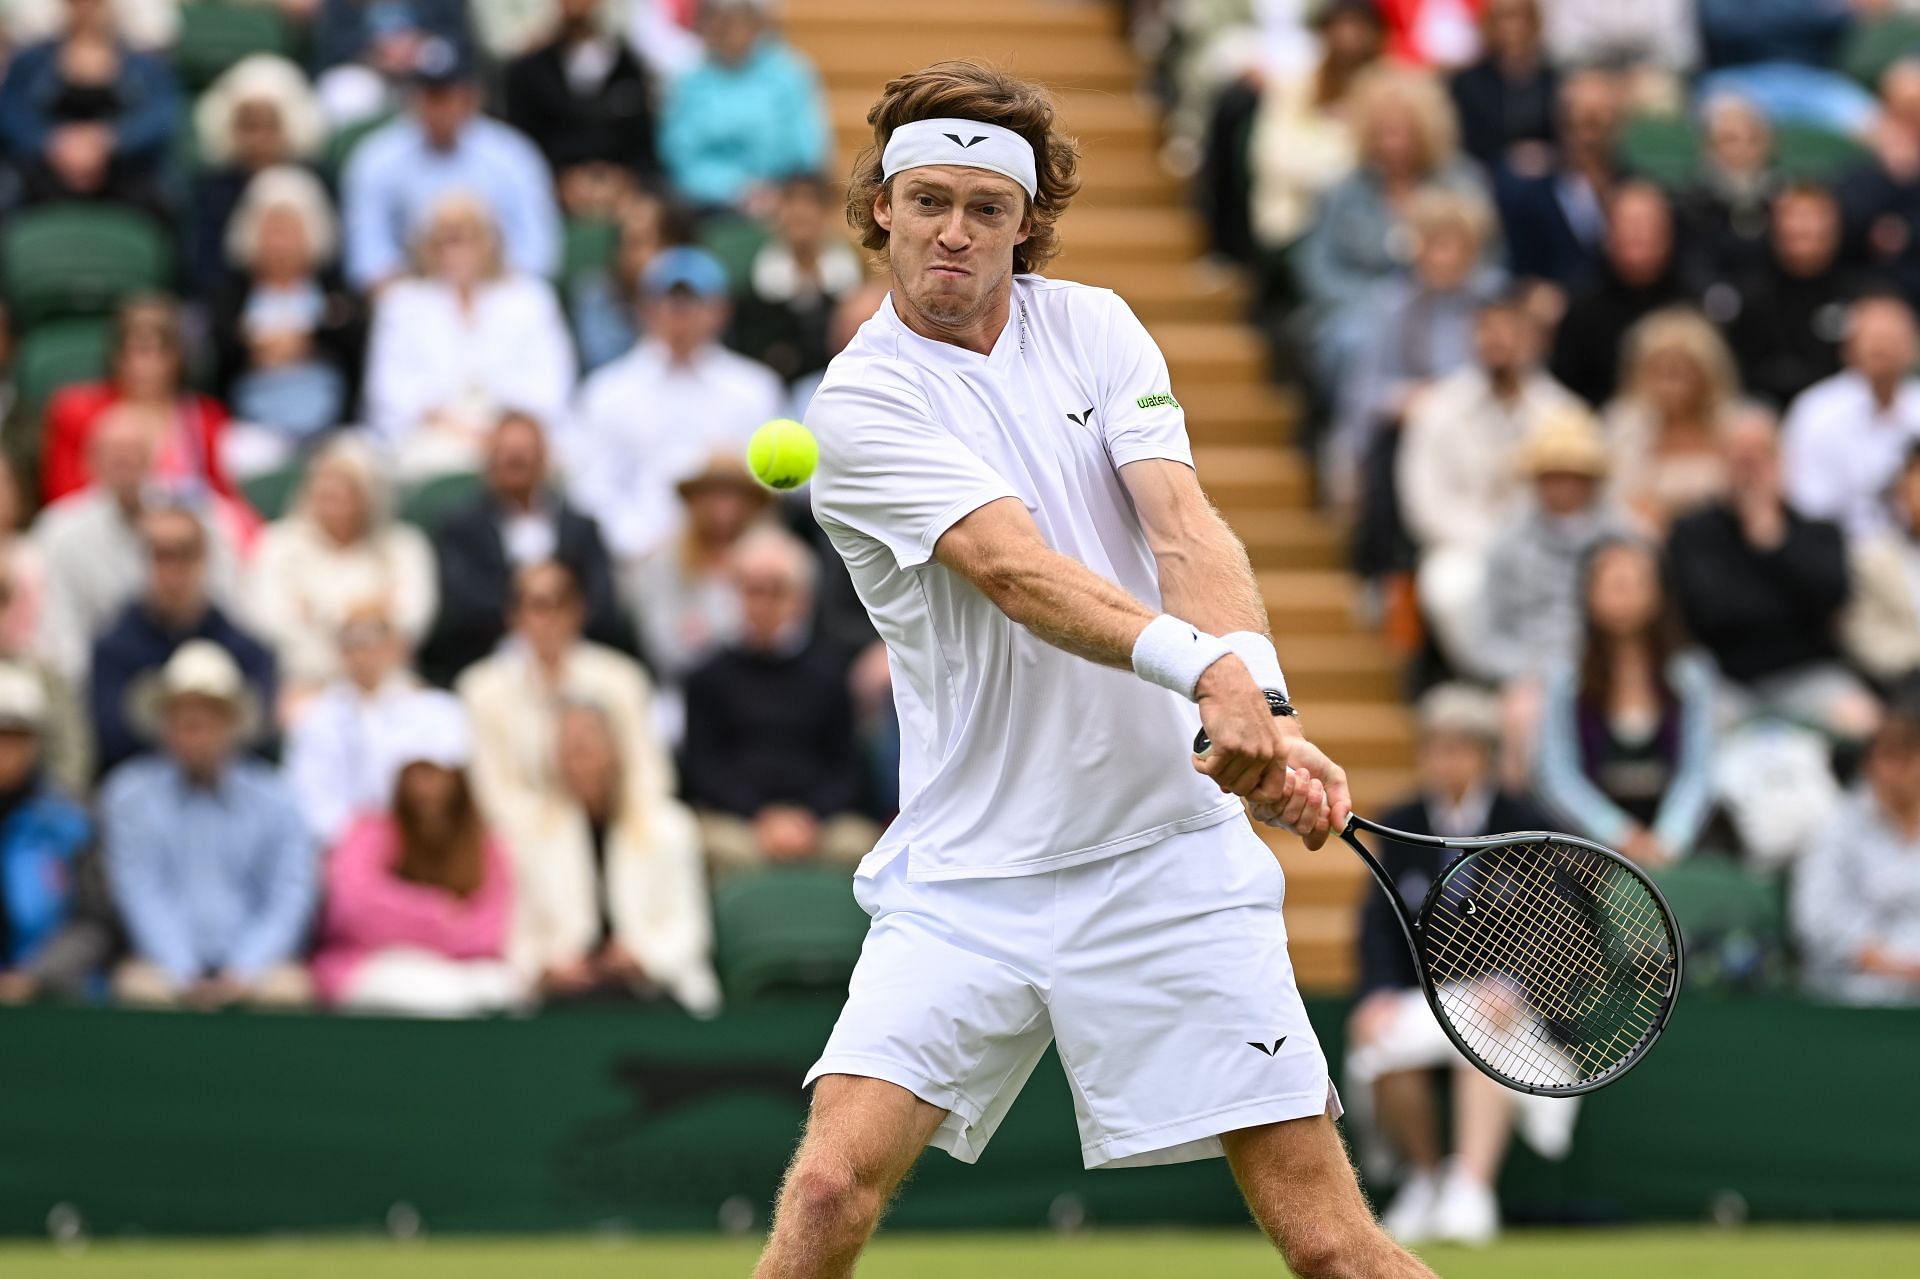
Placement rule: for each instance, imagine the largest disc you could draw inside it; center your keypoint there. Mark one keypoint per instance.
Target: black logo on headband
(956, 140)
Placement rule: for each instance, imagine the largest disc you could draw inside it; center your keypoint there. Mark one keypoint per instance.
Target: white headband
(970, 142)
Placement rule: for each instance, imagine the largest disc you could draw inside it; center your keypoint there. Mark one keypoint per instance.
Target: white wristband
(1174, 654)
(1257, 651)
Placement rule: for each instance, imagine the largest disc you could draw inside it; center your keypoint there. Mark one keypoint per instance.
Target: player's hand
(1306, 792)
(1241, 726)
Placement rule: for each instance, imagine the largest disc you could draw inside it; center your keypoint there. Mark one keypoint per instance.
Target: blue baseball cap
(440, 62)
(694, 270)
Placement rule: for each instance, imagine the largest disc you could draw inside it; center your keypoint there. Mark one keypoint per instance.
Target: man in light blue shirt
(213, 869)
(443, 144)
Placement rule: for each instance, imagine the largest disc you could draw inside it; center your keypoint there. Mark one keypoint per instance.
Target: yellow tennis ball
(783, 454)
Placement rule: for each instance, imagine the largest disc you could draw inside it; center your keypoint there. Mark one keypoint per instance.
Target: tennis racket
(1551, 962)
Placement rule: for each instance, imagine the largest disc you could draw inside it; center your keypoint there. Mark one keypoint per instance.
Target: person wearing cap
(443, 144)
(210, 862)
(419, 895)
(333, 758)
(467, 337)
(656, 414)
(173, 609)
(42, 837)
(1763, 588)
(749, 114)
(519, 518)
(1531, 602)
(1394, 1043)
(689, 605)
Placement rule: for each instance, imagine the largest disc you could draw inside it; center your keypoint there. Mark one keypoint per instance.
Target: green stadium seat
(271, 492)
(60, 353)
(1814, 155)
(734, 240)
(428, 503)
(792, 927)
(1733, 920)
(1873, 45)
(1661, 148)
(341, 143)
(214, 36)
(590, 246)
(79, 259)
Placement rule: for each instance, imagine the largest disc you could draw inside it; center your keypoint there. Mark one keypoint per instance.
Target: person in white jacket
(579, 784)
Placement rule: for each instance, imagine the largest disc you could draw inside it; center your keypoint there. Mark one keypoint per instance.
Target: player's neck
(977, 332)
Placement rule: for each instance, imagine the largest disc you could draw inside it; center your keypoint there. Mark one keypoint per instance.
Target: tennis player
(1006, 472)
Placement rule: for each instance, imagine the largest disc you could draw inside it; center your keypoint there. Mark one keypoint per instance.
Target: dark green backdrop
(175, 1123)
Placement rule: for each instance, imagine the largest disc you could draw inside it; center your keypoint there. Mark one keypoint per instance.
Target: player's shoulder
(1092, 311)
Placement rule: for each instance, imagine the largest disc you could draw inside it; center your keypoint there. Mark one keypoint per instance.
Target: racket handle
(1202, 743)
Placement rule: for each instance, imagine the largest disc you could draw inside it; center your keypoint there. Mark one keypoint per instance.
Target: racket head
(1552, 962)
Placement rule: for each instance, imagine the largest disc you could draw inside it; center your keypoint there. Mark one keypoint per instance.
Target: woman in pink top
(419, 899)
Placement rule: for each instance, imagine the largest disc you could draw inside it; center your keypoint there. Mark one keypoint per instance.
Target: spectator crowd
(387, 620)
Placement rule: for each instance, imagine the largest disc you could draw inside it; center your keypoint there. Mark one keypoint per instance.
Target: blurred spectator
(210, 864)
(1394, 1042)
(400, 173)
(587, 922)
(42, 834)
(260, 114)
(1531, 603)
(89, 543)
(9, 393)
(654, 415)
(1656, 39)
(604, 305)
(1845, 436)
(87, 117)
(587, 103)
(336, 760)
(772, 761)
(466, 339)
(1457, 470)
(1553, 205)
(751, 113)
(1506, 99)
(796, 279)
(1639, 275)
(1723, 216)
(1301, 141)
(1404, 131)
(287, 332)
(516, 521)
(1430, 33)
(1626, 740)
(689, 601)
(506, 29)
(1761, 587)
(146, 381)
(661, 32)
(150, 26)
(623, 897)
(1882, 622)
(1856, 892)
(365, 51)
(173, 610)
(419, 896)
(1881, 197)
(1663, 427)
(65, 741)
(1782, 55)
(339, 547)
(20, 561)
(1792, 315)
(1419, 328)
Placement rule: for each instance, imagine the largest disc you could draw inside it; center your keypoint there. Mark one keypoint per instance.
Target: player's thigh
(1297, 1179)
(867, 1131)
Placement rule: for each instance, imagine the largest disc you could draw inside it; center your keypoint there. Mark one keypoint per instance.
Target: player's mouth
(948, 271)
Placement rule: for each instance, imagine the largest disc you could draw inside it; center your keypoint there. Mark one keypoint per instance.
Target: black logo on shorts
(1254, 1043)
(1082, 419)
(964, 143)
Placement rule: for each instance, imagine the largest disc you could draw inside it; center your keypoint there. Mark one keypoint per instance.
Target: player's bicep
(986, 543)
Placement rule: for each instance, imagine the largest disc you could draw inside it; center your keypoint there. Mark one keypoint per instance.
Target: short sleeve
(889, 470)
(1141, 418)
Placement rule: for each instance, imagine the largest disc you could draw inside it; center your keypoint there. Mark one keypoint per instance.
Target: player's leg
(1300, 1185)
(862, 1137)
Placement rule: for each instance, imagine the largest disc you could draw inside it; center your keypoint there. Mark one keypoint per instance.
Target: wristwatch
(1277, 703)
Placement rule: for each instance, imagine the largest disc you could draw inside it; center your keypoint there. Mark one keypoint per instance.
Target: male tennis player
(1006, 472)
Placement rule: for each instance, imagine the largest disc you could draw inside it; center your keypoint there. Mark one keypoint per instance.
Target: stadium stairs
(1131, 229)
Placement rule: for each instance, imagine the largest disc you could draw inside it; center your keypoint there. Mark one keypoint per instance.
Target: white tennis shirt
(1015, 757)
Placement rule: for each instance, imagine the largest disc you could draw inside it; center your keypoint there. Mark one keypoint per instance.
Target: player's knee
(831, 1197)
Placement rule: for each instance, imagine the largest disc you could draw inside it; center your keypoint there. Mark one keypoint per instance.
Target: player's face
(951, 232)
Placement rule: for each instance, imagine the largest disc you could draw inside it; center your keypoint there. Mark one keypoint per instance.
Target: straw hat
(1567, 442)
(724, 470)
(198, 668)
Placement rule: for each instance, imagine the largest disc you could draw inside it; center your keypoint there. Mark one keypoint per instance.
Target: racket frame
(1468, 849)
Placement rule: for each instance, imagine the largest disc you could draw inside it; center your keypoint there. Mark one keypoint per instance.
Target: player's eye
(989, 210)
(924, 201)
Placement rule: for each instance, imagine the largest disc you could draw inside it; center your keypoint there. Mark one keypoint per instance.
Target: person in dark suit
(515, 521)
(587, 103)
(1393, 1041)
(1553, 204)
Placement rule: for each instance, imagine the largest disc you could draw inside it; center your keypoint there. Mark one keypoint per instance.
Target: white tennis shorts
(1162, 973)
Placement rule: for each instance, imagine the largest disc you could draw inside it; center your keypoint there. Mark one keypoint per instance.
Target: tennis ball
(783, 454)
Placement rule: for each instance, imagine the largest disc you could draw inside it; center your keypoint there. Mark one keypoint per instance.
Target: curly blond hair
(971, 90)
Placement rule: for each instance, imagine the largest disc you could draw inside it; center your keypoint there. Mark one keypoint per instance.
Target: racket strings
(1552, 962)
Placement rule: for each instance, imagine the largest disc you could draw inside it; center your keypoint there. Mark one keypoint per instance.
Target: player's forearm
(1069, 606)
(1206, 579)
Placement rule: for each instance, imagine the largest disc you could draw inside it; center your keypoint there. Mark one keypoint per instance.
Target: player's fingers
(1315, 834)
(1276, 784)
(1295, 810)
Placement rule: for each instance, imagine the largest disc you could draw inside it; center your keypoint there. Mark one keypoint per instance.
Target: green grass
(1770, 1253)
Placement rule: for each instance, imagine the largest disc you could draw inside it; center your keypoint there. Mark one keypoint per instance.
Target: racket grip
(1202, 743)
